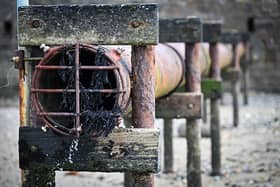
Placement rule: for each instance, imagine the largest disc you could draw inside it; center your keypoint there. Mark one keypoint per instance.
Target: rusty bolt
(136, 24)
(36, 24)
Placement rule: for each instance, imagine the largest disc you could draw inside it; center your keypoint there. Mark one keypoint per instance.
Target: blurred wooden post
(143, 98)
(168, 145)
(186, 30)
(205, 115)
(215, 114)
(193, 79)
(245, 68)
(235, 86)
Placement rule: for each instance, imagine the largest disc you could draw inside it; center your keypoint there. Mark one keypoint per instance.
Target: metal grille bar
(52, 67)
(77, 91)
(73, 90)
(77, 87)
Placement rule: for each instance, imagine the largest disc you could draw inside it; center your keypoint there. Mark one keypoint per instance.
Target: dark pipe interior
(65, 79)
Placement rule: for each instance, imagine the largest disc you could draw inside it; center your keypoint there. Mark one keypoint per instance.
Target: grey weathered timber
(38, 177)
(205, 105)
(231, 74)
(168, 146)
(235, 85)
(193, 79)
(143, 99)
(215, 113)
(235, 102)
(230, 37)
(180, 105)
(180, 30)
(98, 24)
(123, 150)
(211, 31)
(244, 64)
(215, 137)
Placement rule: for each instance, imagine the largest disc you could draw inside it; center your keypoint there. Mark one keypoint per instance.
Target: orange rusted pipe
(169, 74)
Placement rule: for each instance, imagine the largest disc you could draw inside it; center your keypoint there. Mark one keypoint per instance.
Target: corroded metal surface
(168, 68)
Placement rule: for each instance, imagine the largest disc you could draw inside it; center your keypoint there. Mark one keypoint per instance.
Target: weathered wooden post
(233, 73)
(186, 105)
(245, 63)
(42, 150)
(168, 145)
(212, 89)
(143, 98)
(193, 79)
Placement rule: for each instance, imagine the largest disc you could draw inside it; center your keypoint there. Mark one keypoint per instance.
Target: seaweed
(96, 119)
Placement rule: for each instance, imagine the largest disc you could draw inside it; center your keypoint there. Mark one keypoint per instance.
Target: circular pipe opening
(101, 92)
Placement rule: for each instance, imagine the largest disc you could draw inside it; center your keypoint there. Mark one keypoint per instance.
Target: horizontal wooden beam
(134, 24)
(211, 31)
(180, 30)
(211, 88)
(124, 150)
(231, 74)
(180, 105)
(230, 37)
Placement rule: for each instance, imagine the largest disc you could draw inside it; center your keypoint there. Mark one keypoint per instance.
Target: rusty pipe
(169, 71)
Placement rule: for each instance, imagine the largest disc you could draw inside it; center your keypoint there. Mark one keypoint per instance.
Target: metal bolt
(36, 23)
(136, 24)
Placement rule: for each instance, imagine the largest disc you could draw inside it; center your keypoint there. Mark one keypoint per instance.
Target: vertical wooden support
(235, 87)
(205, 116)
(143, 98)
(246, 75)
(38, 176)
(168, 146)
(128, 177)
(42, 176)
(215, 114)
(193, 79)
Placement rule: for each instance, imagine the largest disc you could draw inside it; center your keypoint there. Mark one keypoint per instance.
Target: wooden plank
(231, 74)
(211, 88)
(211, 31)
(98, 24)
(180, 30)
(123, 150)
(230, 37)
(180, 105)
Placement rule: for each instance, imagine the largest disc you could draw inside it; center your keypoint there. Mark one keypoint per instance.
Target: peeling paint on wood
(122, 151)
(98, 24)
